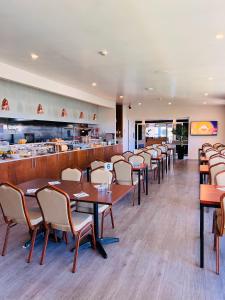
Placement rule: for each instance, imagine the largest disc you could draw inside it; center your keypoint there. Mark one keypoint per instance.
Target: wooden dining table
(96, 197)
(203, 171)
(209, 197)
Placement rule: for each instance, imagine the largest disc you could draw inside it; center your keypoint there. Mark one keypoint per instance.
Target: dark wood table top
(204, 169)
(71, 188)
(210, 195)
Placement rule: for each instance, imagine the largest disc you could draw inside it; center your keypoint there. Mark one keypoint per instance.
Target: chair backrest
(153, 152)
(206, 144)
(215, 169)
(137, 151)
(216, 159)
(147, 158)
(136, 159)
(71, 174)
(220, 178)
(163, 148)
(216, 145)
(101, 176)
(96, 164)
(221, 224)
(13, 205)
(209, 153)
(222, 152)
(55, 207)
(123, 172)
(116, 158)
(127, 154)
(148, 147)
(220, 148)
(205, 148)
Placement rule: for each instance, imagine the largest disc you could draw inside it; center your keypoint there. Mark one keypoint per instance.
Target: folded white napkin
(31, 191)
(81, 195)
(54, 182)
(221, 189)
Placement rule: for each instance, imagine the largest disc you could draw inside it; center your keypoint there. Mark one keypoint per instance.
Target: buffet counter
(17, 170)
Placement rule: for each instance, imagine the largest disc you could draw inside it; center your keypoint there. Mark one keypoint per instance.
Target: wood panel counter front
(51, 165)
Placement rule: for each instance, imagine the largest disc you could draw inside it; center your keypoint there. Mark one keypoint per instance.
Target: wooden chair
(220, 148)
(210, 152)
(215, 169)
(124, 174)
(57, 214)
(15, 211)
(216, 145)
(219, 229)
(220, 178)
(207, 147)
(127, 154)
(153, 152)
(72, 174)
(152, 167)
(97, 164)
(222, 151)
(137, 151)
(215, 159)
(98, 176)
(116, 158)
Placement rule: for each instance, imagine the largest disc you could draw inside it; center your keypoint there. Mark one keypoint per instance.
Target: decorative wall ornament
(81, 115)
(5, 104)
(64, 113)
(94, 117)
(40, 109)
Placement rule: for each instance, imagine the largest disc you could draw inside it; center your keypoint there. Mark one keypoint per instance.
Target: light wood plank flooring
(157, 257)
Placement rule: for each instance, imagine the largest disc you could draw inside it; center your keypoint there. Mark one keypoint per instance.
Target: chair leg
(44, 247)
(217, 254)
(102, 224)
(214, 242)
(93, 237)
(55, 236)
(143, 182)
(76, 253)
(34, 233)
(6, 240)
(133, 197)
(112, 218)
(65, 237)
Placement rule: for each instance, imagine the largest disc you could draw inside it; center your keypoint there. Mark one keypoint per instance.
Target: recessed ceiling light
(149, 89)
(121, 96)
(219, 36)
(34, 56)
(94, 84)
(103, 52)
(204, 102)
(139, 103)
(169, 103)
(210, 78)
(206, 94)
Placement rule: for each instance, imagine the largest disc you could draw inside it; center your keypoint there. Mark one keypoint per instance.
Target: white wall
(107, 119)
(23, 102)
(193, 112)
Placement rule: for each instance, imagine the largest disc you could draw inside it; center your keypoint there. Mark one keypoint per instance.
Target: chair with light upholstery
(136, 159)
(205, 148)
(215, 169)
(216, 145)
(153, 152)
(127, 154)
(97, 164)
(116, 158)
(222, 152)
(124, 174)
(215, 159)
(98, 176)
(219, 229)
(71, 174)
(220, 148)
(57, 214)
(220, 178)
(209, 153)
(137, 151)
(148, 161)
(15, 211)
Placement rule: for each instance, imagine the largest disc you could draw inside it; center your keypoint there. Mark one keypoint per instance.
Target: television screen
(204, 128)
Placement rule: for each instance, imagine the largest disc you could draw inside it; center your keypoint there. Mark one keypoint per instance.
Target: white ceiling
(167, 45)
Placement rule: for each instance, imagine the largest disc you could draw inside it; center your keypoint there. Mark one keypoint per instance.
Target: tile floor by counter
(157, 257)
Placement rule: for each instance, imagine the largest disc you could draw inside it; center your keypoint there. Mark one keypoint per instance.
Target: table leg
(146, 180)
(162, 168)
(139, 187)
(169, 162)
(88, 174)
(99, 246)
(200, 178)
(201, 236)
(166, 162)
(159, 165)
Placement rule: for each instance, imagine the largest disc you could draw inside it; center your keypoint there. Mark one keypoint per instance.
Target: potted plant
(181, 134)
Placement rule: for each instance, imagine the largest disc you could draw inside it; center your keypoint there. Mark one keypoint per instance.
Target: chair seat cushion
(35, 216)
(79, 220)
(88, 209)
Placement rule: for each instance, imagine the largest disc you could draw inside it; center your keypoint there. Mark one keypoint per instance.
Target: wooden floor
(157, 257)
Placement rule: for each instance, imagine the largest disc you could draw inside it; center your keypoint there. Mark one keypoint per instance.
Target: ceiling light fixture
(121, 96)
(206, 94)
(210, 78)
(219, 36)
(204, 102)
(34, 56)
(149, 89)
(103, 52)
(139, 103)
(94, 84)
(169, 103)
